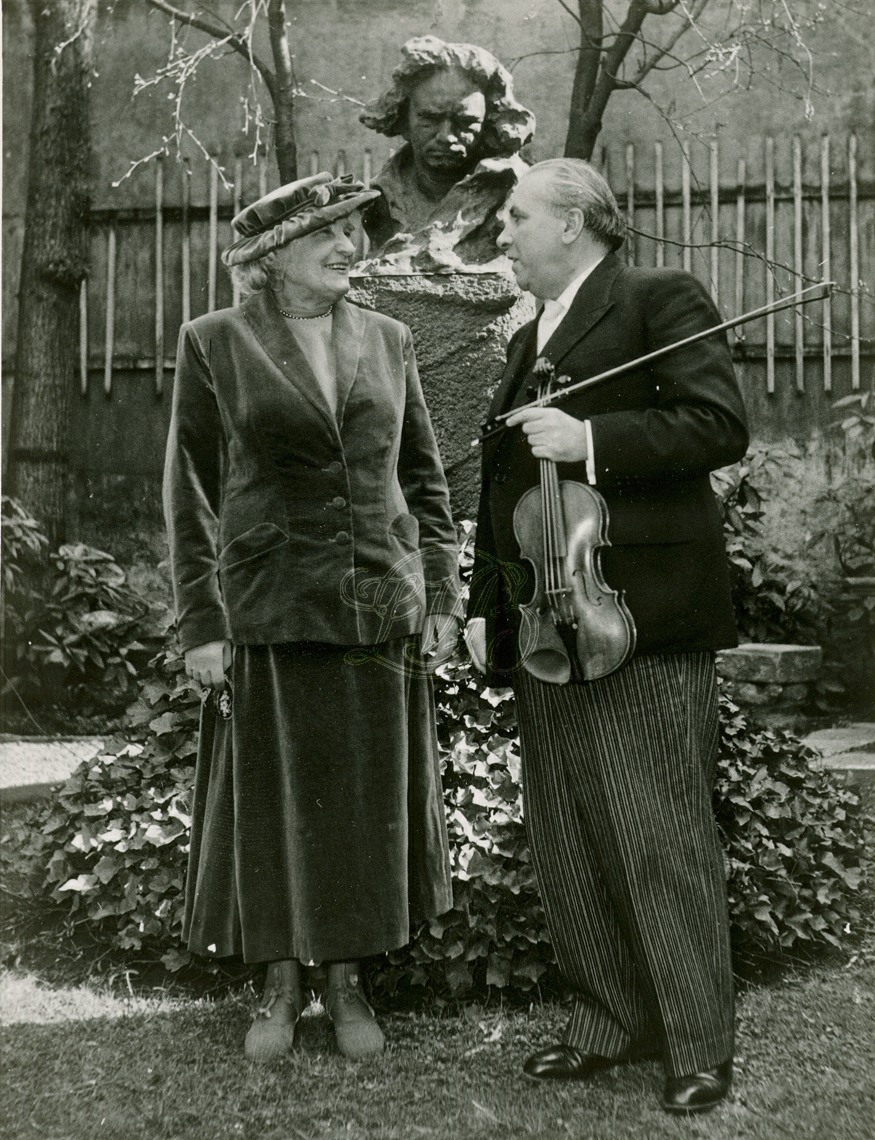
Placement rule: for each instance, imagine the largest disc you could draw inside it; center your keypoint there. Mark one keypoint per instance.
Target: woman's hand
(208, 663)
(475, 639)
(439, 636)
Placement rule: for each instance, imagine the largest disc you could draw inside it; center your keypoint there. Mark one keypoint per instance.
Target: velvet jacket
(657, 432)
(285, 521)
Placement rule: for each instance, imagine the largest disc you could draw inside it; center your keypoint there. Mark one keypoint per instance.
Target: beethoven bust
(453, 105)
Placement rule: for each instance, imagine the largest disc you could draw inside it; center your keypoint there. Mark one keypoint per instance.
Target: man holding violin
(618, 755)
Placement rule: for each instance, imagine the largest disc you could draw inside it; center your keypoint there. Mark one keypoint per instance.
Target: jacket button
(342, 538)
(334, 467)
(338, 501)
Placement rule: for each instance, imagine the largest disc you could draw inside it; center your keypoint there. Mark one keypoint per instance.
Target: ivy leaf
(498, 970)
(175, 959)
(167, 722)
(80, 884)
(849, 875)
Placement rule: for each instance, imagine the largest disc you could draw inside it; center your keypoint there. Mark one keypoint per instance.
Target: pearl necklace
(315, 317)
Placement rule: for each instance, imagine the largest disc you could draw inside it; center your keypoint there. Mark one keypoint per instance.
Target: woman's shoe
(272, 1033)
(355, 1027)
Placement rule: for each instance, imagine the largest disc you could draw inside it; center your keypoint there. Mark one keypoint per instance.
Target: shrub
(846, 525)
(113, 845)
(775, 595)
(813, 596)
(25, 547)
(795, 841)
(117, 835)
(495, 935)
(72, 626)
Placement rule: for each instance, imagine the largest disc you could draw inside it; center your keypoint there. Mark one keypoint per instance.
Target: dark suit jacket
(657, 433)
(285, 522)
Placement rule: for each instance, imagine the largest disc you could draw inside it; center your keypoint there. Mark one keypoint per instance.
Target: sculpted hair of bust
(507, 125)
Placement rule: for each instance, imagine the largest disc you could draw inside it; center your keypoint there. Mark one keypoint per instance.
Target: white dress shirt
(549, 319)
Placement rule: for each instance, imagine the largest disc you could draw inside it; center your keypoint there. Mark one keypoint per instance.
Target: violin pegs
(561, 381)
(532, 392)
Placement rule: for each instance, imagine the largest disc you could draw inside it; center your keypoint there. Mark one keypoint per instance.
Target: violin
(575, 628)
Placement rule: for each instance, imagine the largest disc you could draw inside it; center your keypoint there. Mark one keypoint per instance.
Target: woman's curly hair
(508, 124)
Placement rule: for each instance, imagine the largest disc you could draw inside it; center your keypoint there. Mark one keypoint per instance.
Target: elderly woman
(315, 576)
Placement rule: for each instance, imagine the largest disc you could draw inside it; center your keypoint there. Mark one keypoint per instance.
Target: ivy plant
(72, 625)
(112, 846)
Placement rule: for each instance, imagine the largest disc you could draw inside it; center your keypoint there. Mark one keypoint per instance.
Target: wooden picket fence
(753, 226)
(173, 232)
(788, 208)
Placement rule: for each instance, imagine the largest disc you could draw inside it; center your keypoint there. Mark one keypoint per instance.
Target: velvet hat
(293, 210)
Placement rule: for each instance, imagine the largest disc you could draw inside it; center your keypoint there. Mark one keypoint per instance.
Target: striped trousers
(617, 792)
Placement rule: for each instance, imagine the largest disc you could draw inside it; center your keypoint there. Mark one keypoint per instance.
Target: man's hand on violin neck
(552, 434)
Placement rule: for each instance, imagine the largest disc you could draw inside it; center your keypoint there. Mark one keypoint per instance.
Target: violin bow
(819, 293)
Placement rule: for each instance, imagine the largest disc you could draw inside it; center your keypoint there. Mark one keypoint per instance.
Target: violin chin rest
(548, 665)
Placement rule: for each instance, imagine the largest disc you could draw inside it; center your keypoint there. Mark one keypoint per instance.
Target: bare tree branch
(234, 40)
(569, 11)
(667, 49)
(616, 55)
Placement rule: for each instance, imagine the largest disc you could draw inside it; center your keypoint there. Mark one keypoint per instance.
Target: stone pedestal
(772, 679)
(848, 752)
(461, 323)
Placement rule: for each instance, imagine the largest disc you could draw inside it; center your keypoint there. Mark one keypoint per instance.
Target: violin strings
(551, 508)
(546, 528)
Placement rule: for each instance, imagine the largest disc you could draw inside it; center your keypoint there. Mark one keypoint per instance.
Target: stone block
(31, 766)
(857, 771)
(775, 664)
(753, 693)
(859, 737)
(793, 694)
(461, 323)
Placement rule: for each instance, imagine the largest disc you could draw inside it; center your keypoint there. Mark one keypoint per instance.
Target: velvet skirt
(318, 828)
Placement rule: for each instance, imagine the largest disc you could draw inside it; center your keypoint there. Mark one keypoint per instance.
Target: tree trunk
(54, 258)
(582, 131)
(597, 75)
(582, 136)
(283, 93)
(285, 147)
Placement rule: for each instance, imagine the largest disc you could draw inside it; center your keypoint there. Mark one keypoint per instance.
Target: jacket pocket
(258, 540)
(406, 528)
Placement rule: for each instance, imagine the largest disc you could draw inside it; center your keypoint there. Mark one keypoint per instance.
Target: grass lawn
(82, 1062)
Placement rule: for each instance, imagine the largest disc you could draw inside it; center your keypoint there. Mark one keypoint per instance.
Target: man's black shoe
(699, 1092)
(565, 1063)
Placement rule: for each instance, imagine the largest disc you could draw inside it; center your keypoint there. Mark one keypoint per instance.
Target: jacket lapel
(590, 304)
(520, 360)
(280, 345)
(588, 307)
(347, 336)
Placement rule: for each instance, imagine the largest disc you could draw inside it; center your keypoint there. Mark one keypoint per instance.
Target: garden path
(30, 766)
